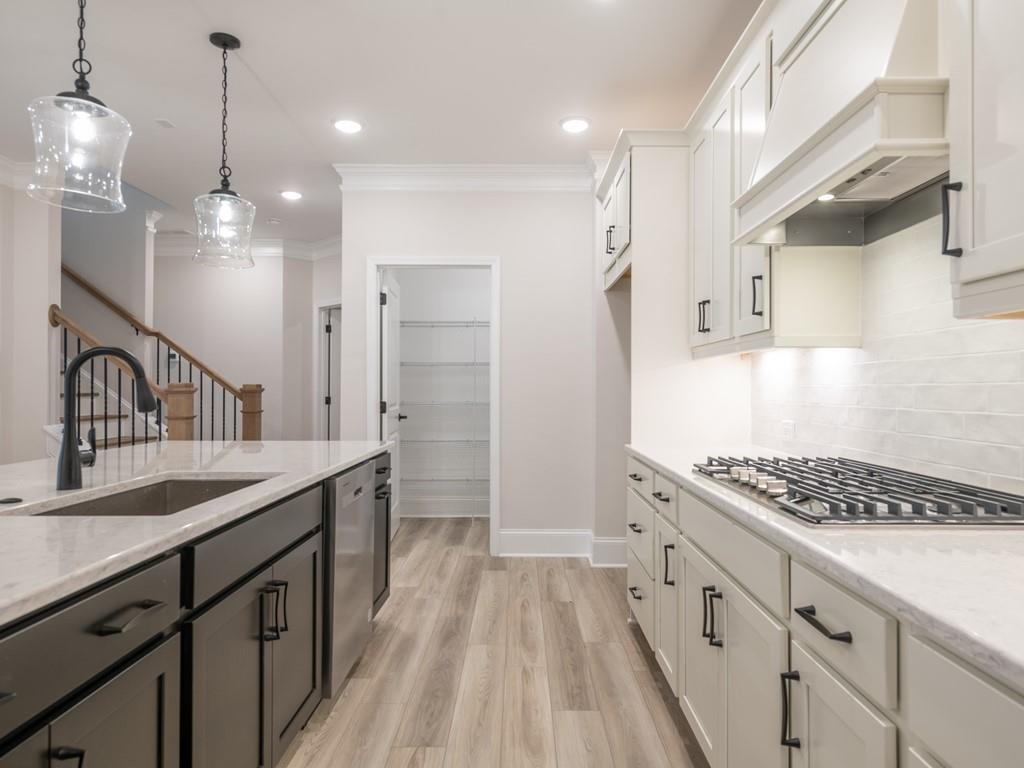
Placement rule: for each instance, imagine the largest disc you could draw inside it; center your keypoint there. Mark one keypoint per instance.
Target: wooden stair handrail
(58, 319)
(146, 330)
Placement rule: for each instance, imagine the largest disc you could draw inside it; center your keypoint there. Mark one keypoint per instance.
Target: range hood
(858, 114)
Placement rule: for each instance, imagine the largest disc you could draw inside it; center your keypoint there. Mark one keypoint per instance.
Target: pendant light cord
(225, 169)
(81, 66)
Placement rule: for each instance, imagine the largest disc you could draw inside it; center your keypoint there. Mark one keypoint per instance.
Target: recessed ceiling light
(348, 126)
(826, 198)
(291, 194)
(575, 124)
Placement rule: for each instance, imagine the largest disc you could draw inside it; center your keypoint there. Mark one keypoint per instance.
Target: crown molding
(326, 248)
(14, 174)
(464, 178)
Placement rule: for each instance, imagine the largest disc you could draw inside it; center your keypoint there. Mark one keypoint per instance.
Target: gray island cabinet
(209, 656)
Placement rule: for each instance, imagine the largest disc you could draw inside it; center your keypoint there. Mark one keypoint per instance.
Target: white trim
(318, 392)
(183, 244)
(14, 174)
(475, 178)
(519, 542)
(608, 552)
(325, 248)
(628, 139)
(373, 266)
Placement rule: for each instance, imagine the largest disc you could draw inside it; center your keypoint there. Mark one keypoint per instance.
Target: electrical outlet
(788, 428)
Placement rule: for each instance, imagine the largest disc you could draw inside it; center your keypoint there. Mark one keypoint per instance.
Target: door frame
(374, 265)
(318, 386)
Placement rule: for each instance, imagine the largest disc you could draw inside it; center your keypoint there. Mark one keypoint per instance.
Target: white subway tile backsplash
(928, 393)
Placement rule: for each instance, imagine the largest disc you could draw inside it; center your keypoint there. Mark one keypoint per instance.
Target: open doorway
(436, 386)
(328, 372)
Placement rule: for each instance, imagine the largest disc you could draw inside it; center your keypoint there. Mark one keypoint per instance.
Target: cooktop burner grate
(834, 491)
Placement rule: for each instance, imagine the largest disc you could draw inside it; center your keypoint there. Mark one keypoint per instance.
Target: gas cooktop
(837, 491)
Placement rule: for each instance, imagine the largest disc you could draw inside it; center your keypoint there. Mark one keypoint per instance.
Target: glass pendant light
(80, 144)
(223, 219)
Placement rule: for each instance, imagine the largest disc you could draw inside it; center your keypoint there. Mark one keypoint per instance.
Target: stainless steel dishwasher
(349, 590)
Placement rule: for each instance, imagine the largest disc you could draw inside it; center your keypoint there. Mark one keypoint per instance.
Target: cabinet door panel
(700, 252)
(756, 652)
(836, 727)
(133, 720)
(296, 656)
(230, 679)
(987, 136)
(31, 753)
(753, 289)
(721, 224)
(702, 669)
(666, 603)
(622, 203)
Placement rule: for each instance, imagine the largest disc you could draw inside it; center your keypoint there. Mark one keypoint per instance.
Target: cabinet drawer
(640, 530)
(222, 559)
(759, 567)
(640, 596)
(666, 497)
(967, 721)
(639, 477)
(50, 658)
(868, 658)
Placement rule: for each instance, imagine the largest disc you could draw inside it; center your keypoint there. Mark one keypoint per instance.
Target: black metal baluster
(200, 400)
(168, 365)
(92, 390)
(223, 412)
(78, 392)
(119, 402)
(213, 406)
(158, 362)
(64, 351)
(159, 420)
(134, 415)
(158, 403)
(106, 402)
(234, 412)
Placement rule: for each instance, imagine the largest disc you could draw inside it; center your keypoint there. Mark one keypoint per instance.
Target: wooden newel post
(252, 412)
(181, 411)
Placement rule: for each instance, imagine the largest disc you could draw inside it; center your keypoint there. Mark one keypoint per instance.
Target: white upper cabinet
(606, 245)
(620, 235)
(712, 228)
(986, 124)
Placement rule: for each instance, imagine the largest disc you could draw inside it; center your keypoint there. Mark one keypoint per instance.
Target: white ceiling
(432, 81)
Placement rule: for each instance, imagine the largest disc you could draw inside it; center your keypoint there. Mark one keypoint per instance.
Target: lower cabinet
(132, 720)
(830, 725)
(255, 663)
(640, 595)
(666, 601)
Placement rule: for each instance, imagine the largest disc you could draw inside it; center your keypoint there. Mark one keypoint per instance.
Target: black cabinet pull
(6, 696)
(382, 495)
(270, 634)
(69, 753)
(608, 240)
(704, 610)
(282, 585)
(713, 641)
(810, 614)
(702, 324)
(636, 478)
(382, 470)
(754, 280)
(659, 496)
(955, 186)
(402, 417)
(788, 741)
(668, 582)
(633, 591)
(611, 239)
(635, 528)
(126, 619)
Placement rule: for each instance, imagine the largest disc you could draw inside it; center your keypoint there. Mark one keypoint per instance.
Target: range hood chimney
(859, 115)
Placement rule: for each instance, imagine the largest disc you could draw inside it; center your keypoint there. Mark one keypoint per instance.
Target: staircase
(194, 402)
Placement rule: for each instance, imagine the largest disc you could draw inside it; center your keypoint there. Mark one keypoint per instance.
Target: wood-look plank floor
(484, 662)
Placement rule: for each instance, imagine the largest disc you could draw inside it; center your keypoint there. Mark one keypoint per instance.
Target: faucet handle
(88, 451)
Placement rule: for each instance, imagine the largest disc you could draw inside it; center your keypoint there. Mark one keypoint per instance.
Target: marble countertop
(963, 588)
(44, 559)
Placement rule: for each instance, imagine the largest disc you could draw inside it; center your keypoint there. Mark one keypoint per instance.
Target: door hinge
(383, 298)
(383, 407)
(327, 400)
(327, 328)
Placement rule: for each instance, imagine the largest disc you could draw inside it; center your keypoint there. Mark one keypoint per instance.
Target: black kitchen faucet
(69, 464)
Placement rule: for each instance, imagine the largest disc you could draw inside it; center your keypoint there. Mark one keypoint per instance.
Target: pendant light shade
(80, 144)
(223, 219)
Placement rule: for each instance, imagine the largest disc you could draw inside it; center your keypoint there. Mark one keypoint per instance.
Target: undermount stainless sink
(157, 499)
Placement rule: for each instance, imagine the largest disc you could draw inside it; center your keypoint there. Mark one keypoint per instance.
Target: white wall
(29, 283)
(297, 350)
(544, 243)
(927, 392)
(681, 408)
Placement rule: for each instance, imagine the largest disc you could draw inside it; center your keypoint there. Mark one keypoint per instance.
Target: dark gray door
(296, 673)
(131, 721)
(230, 678)
(33, 753)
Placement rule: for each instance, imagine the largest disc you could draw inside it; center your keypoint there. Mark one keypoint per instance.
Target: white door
(986, 127)
(666, 601)
(756, 654)
(702, 668)
(329, 421)
(835, 726)
(390, 384)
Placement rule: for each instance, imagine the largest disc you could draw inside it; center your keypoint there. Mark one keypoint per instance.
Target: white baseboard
(602, 552)
(608, 552)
